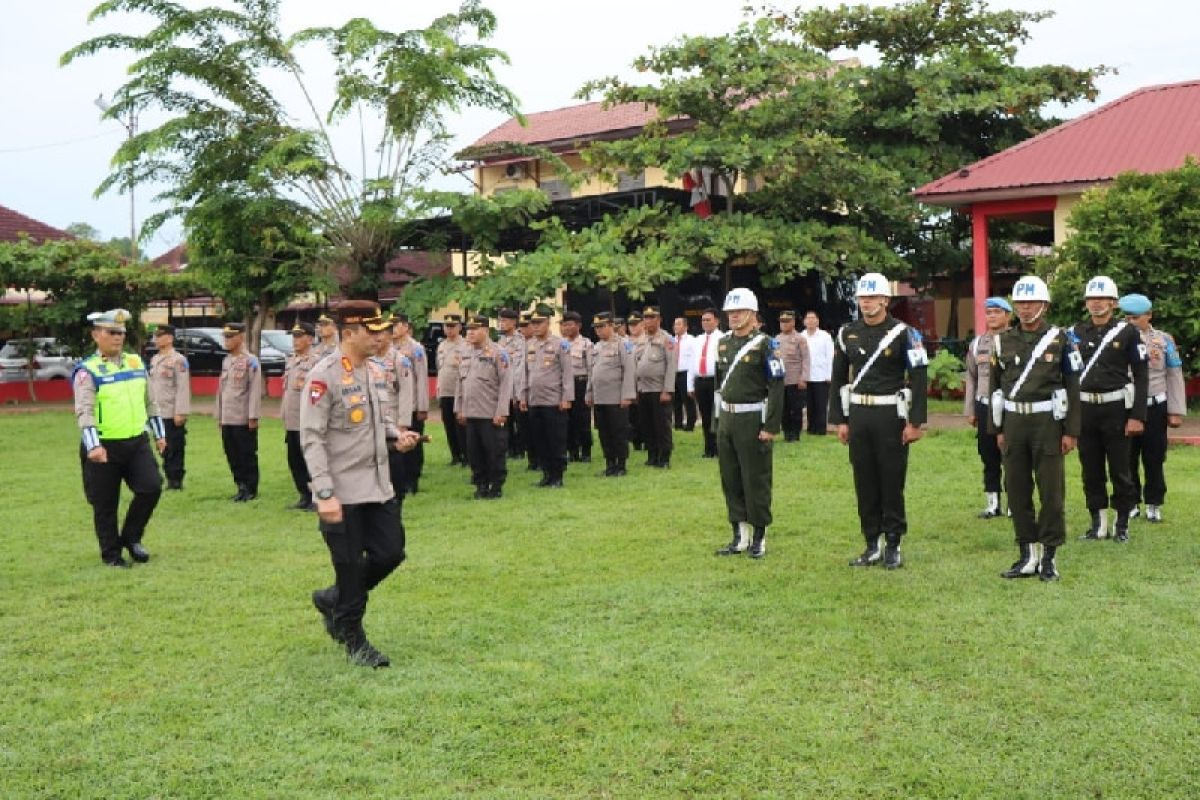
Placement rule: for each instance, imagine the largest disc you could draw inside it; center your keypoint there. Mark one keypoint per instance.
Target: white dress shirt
(820, 352)
(708, 369)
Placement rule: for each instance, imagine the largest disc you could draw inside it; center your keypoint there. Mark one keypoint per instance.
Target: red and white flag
(697, 182)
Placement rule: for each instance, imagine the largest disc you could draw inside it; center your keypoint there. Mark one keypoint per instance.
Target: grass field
(586, 643)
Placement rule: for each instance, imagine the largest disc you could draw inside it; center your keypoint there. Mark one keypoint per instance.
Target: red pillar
(979, 257)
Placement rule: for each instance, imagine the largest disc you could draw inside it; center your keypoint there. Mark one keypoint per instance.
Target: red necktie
(704, 357)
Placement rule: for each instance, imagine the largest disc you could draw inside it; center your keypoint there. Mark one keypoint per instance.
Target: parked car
(205, 350)
(280, 340)
(50, 360)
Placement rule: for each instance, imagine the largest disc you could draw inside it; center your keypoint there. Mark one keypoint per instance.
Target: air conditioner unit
(514, 172)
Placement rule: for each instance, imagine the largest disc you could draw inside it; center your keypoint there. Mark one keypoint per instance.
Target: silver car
(51, 360)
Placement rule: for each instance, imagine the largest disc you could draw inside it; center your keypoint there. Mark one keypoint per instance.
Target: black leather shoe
(481, 492)
(138, 553)
(323, 600)
(302, 504)
(174, 485)
(240, 496)
(118, 562)
(494, 493)
(364, 654)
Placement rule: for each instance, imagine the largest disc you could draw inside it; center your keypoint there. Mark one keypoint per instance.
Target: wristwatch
(325, 494)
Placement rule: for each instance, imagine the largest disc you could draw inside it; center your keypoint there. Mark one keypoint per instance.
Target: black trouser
(548, 437)
(241, 451)
(172, 457)
(399, 481)
(579, 425)
(655, 418)
(1151, 450)
(414, 459)
(793, 411)
(131, 461)
(612, 423)
(518, 420)
(988, 447)
(365, 547)
(880, 461)
(1033, 456)
(683, 405)
(487, 445)
(705, 396)
(454, 432)
(635, 426)
(296, 464)
(816, 399)
(1102, 442)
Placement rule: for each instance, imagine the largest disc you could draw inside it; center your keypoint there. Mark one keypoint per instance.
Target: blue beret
(997, 302)
(1135, 304)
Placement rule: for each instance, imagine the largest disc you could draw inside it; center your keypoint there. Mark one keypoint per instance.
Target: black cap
(526, 318)
(603, 318)
(651, 311)
(572, 316)
(542, 313)
(618, 320)
(634, 317)
(164, 329)
(356, 312)
(325, 318)
(400, 318)
(233, 328)
(303, 328)
(452, 319)
(508, 313)
(478, 321)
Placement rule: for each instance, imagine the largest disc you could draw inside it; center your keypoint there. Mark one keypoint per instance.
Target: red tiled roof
(565, 126)
(175, 258)
(13, 224)
(1151, 130)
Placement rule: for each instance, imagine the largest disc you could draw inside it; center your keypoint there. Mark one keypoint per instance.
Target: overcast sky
(54, 148)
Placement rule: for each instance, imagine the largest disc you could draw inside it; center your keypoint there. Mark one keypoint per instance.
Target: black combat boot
(758, 547)
(1027, 565)
(610, 467)
(323, 600)
(1099, 529)
(1048, 571)
(737, 545)
(871, 556)
(891, 552)
(620, 470)
(361, 652)
(1121, 528)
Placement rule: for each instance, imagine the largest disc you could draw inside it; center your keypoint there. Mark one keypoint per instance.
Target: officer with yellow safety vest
(113, 408)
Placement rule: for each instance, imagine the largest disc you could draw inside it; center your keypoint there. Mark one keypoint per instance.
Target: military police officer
(239, 398)
(113, 408)
(295, 375)
(610, 391)
(878, 413)
(749, 408)
(1114, 407)
(655, 357)
(549, 390)
(1034, 409)
(977, 398)
(171, 391)
(482, 403)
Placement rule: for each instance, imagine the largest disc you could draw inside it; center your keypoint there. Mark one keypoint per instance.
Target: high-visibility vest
(120, 395)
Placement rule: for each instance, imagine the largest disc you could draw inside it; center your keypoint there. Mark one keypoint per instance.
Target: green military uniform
(1033, 434)
(878, 455)
(750, 400)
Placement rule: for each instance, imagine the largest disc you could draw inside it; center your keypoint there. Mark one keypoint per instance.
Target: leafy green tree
(1144, 233)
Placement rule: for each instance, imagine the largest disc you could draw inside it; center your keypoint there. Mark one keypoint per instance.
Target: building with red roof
(14, 226)
(1151, 130)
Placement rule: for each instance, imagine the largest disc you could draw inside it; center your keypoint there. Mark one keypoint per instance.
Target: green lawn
(586, 642)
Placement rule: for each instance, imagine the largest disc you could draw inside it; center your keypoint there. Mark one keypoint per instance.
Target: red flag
(693, 181)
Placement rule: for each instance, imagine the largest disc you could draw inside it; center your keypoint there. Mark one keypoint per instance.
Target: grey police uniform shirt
(399, 375)
(581, 356)
(656, 362)
(344, 430)
(1165, 370)
(416, 354)
(171, 384)
(612, 379)
(485, 384)
(450, 356)
(239, 391)
(979, 371)
(514, 344)
(793, 352)
(548, 380)
(294, 378)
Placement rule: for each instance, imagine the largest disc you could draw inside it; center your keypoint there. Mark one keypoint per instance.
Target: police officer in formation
(451, 353)
(701, 380)
(398, 375)
(749, 409)
(793, 352)
(346, 435)
(610, 390)
(655, 357)
(239, 399)
(877, 401)
(481, 404)
(634, 335)
(525, 330)
(513, 343)
(113, 409)
(171, 391)
(1035, 411)
(549, 388)
(1113, 387)
(977, 399)
(295, 374)
(1165, 406)
(327, 336)
(579, 418)
(406, 345)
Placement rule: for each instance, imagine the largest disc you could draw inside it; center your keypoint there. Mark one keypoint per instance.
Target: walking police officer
(977, 398)
(749, 409)
(579, 418)
(239, 399)
(346, 434)
(295, 375)
(171, 391)
(482, 403)
(655, 356)
(549, 390)
(610, 391)
(1114, 407)
(1035, 411)
(878, 414)
(793, 352)
(1166, 405)
(113, 408)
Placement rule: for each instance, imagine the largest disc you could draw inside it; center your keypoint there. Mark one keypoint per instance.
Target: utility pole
(130, 127)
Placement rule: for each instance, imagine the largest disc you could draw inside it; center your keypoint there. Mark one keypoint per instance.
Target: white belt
(741, 408)
(1102, 397)
(1039, 407)
(873, 399)
(1158, 398)
(987, 401)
